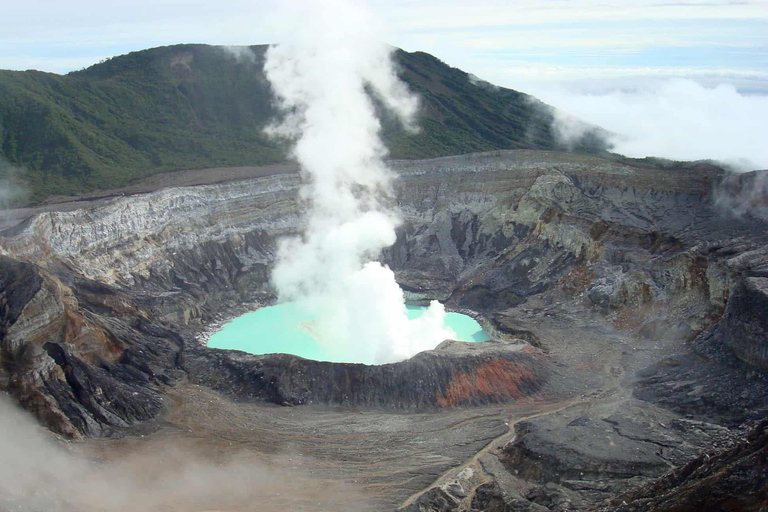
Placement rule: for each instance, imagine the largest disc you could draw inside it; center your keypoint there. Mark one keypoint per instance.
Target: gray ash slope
(626, 294)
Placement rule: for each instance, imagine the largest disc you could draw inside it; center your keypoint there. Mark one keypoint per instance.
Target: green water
(283, 329)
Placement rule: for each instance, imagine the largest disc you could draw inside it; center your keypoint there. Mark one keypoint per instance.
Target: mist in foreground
(39, 473)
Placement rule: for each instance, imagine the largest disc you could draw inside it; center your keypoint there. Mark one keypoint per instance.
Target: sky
(599, 60)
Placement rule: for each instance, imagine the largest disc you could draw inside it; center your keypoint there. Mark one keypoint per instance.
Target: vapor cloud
(324, 75)
(13, 192)
(12, 189)
(240, 53)
(677, 119)
(40, 474)
(744, 195)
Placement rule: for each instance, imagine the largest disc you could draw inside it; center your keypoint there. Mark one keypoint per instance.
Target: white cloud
(531, 77)
(50, 64)
(677, 119)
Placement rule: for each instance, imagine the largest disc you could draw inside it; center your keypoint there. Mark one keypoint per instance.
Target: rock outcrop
(744, 327)
(731, 479)
(453, 374)
(78, 354)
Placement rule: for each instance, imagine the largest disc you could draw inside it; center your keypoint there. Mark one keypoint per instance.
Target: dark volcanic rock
(744, 327)
(454, 374)
(711, 384)
(735, 479)
(547, 452)
(80, 372)
(434, 500)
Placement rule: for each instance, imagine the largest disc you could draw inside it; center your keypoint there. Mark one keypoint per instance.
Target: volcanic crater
(627, 306)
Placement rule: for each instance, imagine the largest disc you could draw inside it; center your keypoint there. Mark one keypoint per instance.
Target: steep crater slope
(620, 291)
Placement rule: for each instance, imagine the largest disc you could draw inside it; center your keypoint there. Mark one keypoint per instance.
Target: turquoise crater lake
(282, 329)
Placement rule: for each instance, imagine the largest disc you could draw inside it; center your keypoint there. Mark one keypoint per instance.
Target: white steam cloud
(677, 119)
(12, 189)
(744, 195)
(240, 53)
(324, 77)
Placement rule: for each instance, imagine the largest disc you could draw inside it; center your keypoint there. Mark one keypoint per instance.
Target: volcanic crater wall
(94, 299)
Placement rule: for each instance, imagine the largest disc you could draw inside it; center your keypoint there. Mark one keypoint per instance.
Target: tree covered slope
(199, 106)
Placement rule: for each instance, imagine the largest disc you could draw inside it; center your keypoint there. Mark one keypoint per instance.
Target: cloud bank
(677, 119)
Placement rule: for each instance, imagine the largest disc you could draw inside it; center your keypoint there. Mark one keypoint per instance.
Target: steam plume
(325, 77)
(744, 195)
(12, 189)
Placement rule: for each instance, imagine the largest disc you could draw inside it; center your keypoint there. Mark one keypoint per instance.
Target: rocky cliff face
(592, 273)
(80, 371)
(730, 479)
(743, 325)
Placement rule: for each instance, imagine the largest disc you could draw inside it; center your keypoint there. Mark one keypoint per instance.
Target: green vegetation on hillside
(199, 106)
